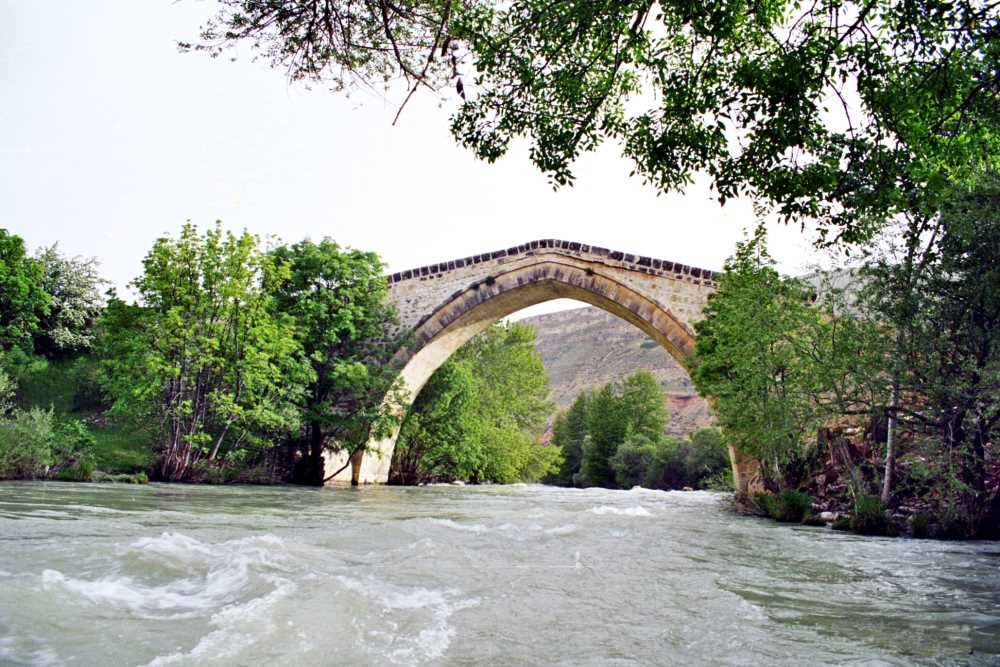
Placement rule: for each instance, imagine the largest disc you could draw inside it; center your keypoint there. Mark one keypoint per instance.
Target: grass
(119, 448)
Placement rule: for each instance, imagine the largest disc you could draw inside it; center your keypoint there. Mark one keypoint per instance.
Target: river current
(515, 575)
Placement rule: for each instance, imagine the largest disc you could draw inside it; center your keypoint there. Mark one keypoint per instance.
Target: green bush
(80, 472)
(632, 461)
(787, 506)
(34, 445)
(869, 516)
(26, 443)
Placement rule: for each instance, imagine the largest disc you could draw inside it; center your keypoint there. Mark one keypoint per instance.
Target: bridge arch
(492, 287)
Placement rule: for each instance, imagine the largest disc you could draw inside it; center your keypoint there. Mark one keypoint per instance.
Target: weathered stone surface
(448, 303)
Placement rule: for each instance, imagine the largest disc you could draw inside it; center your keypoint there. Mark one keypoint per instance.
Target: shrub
(80, 472)
(632, 461)
(787, 506)
(26, 444)
(869, 516)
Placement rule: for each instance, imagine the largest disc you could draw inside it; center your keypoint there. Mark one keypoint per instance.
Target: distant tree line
(614, 437)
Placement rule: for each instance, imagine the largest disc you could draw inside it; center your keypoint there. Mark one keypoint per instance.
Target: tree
(481, 414)
(23, 301)
(441, 435)
(609, 425)
(750, 358)
(336, 298)
(633, 459)
(569, 433)
(942, 303)
(204, 353)
(642, 401)
(848, 112)
(74, 287)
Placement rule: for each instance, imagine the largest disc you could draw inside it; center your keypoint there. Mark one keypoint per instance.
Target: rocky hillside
(588, 347)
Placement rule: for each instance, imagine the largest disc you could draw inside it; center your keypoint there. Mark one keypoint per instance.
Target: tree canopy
(842, 111)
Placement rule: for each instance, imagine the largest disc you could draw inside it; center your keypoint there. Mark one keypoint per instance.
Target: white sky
(110, 138)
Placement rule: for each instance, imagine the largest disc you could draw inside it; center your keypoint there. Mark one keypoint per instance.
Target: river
(517, 575)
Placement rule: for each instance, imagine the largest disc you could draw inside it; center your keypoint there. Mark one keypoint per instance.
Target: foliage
(339, 43)
(23, 301)
(776, 366)
(613, 437)
(480, 415)
(607, 428)
(204, 354)
(569, 433)
(787, 506)
(847, 112)
(75, 294)
(33, 444)
(938, 289)
(869, 516)
(631, 461)
(26, 442)
(7, 390)
(748, 356)
(336, 298)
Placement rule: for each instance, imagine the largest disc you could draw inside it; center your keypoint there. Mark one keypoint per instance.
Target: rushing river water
(184, 575)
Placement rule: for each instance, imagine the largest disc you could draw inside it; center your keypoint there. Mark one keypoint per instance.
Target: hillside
(588, 347)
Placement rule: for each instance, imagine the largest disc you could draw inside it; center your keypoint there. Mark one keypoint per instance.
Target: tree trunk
(314, 473)
(890, 449)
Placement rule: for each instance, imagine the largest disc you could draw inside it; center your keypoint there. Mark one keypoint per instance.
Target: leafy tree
(942, 302)
(844, 111)
(23, 300)
(750, 361)
(481, 414)
(633, 459)
(441, 436)
(203, 353)
(336, 298)
(74, 287)
(609, 425)
(642, 401)
(569, 433)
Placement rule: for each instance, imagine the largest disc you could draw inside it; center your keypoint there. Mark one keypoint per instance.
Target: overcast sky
(111, 138)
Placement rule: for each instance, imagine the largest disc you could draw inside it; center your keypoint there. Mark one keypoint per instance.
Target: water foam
(638, 510)
(203, 577)
(408, 606)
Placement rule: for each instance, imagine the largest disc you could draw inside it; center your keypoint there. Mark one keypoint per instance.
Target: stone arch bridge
(446, 304)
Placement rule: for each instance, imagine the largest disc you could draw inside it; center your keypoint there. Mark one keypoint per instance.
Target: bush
(787, 506)
(632, 461)
(919, 525)
(33, 445)
(26, 443)
(869, 516)
(80, 472)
